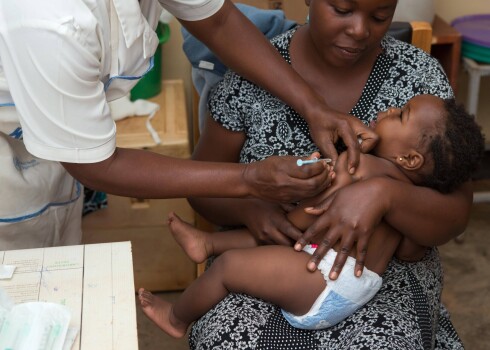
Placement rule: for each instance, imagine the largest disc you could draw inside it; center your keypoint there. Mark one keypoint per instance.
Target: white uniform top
(57, 67)
(61, 61)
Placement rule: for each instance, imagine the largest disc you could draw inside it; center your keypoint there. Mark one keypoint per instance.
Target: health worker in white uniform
(62, 61)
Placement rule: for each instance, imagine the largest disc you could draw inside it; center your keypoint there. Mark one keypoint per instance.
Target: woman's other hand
(279, 178)
(348, 217)
(268, 223)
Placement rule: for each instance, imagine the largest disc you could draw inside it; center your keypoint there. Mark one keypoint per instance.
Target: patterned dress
(407, 312)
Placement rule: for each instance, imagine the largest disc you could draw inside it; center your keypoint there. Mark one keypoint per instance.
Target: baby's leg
(274, 273)
(409, 251)
(381, 248)
(160, 311)
(200, 245)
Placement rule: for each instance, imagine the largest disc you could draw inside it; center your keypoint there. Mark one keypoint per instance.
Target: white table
(95, 281)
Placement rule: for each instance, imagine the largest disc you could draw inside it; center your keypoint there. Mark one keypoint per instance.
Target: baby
(429, 142)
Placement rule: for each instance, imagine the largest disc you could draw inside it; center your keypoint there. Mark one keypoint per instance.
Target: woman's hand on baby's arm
(349, 216)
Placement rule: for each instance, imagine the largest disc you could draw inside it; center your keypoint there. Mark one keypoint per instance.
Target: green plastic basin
(151, 84)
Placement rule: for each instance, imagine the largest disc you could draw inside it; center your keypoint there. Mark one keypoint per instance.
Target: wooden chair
(418, 34)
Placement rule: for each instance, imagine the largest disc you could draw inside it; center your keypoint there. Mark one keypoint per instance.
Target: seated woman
(429, 142)
(344, 54)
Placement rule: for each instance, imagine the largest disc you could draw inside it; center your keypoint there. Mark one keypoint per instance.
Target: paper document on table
(6, 271)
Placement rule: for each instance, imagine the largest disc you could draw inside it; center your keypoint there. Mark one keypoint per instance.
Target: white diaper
(341, 298)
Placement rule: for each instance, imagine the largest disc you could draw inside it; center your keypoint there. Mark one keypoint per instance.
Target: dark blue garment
(93, 201)
(269, 22)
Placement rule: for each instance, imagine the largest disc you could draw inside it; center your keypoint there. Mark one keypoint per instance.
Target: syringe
(301, 162)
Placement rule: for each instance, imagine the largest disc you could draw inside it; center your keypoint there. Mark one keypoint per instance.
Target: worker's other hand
(328, 126)
(279, 178)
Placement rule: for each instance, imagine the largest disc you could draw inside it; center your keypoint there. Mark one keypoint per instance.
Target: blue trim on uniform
(130, 77)
(16, 134)
(111, 79)
(46, 207)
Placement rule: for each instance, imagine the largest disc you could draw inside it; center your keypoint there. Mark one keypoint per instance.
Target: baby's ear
(411, 161)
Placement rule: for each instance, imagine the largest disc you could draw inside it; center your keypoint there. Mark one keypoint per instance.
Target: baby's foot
(191, 239)
(160, 312)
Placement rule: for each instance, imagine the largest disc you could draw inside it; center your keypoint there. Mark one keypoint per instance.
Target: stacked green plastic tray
(475, 30)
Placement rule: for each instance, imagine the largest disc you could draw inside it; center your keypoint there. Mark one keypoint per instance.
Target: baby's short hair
(457, 150)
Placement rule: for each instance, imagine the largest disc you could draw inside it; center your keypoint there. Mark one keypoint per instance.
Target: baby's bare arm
(299, 217)
(369, 166)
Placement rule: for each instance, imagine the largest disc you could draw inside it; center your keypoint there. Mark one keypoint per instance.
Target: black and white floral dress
(407, 312)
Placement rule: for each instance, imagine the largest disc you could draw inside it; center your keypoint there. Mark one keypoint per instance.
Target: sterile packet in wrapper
(33, 325)
(5, 307)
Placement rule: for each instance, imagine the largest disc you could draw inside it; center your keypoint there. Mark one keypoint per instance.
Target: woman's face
(346, 31)
(400, 129)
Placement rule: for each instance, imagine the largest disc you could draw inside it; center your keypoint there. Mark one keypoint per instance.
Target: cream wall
(450, 9)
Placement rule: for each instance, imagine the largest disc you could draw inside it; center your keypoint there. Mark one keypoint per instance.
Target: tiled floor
(467, 278)
(466, 293)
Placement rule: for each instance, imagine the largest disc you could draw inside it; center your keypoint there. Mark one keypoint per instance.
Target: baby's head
(435, 142)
